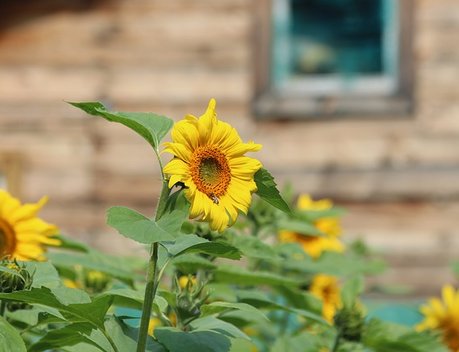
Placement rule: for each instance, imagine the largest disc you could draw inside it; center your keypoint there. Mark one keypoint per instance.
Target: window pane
(336, 36)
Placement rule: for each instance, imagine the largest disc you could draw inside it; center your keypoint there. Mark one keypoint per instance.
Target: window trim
(270, 103)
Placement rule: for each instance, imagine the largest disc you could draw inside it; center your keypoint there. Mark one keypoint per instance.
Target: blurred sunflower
(329, 226)
(209, 160)
(326, 288)
(443, 315)
(152, 325)
(22, 234)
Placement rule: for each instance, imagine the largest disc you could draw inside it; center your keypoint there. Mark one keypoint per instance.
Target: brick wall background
(398, 177)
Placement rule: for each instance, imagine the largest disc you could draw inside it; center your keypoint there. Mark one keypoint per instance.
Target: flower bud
(350, 322)
(14, 277)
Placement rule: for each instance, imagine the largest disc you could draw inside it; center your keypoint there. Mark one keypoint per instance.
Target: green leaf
(352, 288)
(190, 263)
(196, 341)
(137, 227)
(195, 244)
(301, 227)
(150, 126)
(10, 340)
(126, 297)
(253, 247)
(304, 342)
(123, 342)
(267, 190)
(217, 325)
(261, 301)
(114, 266)
(44, 274)
(241, 276)
(387, 337)
(221, 307)
(69, 335)
(70, 243)
(74, 304)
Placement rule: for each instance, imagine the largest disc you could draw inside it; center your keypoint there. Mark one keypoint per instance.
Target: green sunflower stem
(152, 276)
(2, 308)
(337, 341)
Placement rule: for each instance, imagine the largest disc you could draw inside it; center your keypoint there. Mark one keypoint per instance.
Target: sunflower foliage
(226, 273)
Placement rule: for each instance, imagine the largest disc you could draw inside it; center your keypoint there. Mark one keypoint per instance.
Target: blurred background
(356, 100)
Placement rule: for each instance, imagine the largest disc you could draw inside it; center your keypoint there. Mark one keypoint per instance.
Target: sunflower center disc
(7, 238)
(210, 172)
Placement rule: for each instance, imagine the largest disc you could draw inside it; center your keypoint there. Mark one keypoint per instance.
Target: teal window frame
(278, 95)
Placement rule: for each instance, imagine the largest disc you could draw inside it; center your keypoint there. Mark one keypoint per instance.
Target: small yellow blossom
(326, 288)
(443, 315)
(152, 325)
(329, 226)
(183, 281)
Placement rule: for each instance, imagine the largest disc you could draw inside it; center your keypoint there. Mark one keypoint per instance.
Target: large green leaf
(69, 335)
(239, 275)
(10, 340)
(126, 297)
(137, 227)
(195, 244)
(217, 325)
(352, 288)
(190, 263)
(387, 337)
(44, 274)
(216, 308)
(93, 260)
(267, 190)
(74, 304)
(196, 341)
(151, 127)
(253, 247)
(262, 301)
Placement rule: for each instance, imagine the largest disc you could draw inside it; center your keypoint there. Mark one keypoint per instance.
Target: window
(333, 57)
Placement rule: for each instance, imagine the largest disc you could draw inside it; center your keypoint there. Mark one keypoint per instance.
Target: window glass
(336, 36)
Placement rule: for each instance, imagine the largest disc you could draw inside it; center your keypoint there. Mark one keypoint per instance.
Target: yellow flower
(326, 288)
(152, 325)
(329, 226)
(443, 316)
(22, 234)
(209, 160)
(71, 283)
(183, 281)
(313, 245)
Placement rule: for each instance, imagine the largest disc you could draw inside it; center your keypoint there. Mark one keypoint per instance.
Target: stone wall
(397, 176)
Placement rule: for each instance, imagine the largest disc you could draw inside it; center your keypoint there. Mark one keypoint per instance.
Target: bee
(214, 198)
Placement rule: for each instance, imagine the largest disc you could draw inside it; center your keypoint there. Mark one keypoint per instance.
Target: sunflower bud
(96, 281)
(350, 322)
(13, 277)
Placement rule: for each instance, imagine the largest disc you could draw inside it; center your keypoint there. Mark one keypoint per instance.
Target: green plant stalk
(152, 276)
(2, 308)
(337, 341)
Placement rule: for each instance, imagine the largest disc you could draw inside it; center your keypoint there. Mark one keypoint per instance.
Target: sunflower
(209, 160)
(326, 288)
(443, 316)
(329, 226)
(22, 234)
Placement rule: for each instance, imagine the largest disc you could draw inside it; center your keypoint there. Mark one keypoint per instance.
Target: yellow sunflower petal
(179, 150)
(218, 187)
(27, 211)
